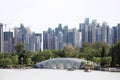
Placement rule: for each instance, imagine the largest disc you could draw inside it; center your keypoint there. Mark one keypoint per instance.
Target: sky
(39, 15)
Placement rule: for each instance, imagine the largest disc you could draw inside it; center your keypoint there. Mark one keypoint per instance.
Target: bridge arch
(68, 64)
(75, 66)
(60, 65)
(47, 65)
(53, 65)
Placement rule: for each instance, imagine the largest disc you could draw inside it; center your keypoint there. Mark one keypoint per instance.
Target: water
(50, 74)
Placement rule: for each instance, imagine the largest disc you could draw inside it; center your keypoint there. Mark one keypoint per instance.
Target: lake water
(50, 74)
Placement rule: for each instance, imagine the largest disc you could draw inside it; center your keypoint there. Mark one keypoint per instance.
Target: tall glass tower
(1, 38)
(8, 42)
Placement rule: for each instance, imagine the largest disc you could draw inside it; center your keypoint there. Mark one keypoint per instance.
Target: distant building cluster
(22, 35)
(62, 36)
(59, 37)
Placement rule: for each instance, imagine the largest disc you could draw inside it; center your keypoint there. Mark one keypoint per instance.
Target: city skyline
(59, 37)
(88, 32)
(42, 14)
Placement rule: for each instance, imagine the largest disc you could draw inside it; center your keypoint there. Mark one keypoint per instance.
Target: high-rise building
(104, 32)
(93, 30)
(114, 35)
(90, 33)
(70, 37)
(22, 35)
(118, 32)
(32, 42)
(38, 40)
(60, 40)
(8, 42)
(59, 28)
(86, 31)
(1, 38)
(77, 38)
(56, 43)
(98, 34)
(109, 35)
(65, 35)
(45, 40)
(48, 40)
(87, 21)
(75, 35)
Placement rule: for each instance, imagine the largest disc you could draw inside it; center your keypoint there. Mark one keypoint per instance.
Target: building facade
(1, 38)
(31, 40)
(8, 42)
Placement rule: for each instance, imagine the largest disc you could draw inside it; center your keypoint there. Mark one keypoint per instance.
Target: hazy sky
(42, 14)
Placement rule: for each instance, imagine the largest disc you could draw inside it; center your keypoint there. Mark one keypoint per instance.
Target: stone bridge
(62, 63)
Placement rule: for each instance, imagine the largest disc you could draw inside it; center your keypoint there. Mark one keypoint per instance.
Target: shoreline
(104, 69)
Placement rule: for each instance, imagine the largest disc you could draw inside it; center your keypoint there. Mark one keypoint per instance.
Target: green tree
(106, 61)
(114, 58)
(28, 61)
(98, 46)
(59, 53)
(5, 62)
(1, 55)
(103, 54)
(47, 54)
(38, 57)
(14, 59)
(88, 53)
(97, 60)
(115, 54)
(20, 48)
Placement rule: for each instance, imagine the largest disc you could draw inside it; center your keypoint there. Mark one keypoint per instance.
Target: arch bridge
(62, 63)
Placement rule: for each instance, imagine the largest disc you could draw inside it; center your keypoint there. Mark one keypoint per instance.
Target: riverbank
(29, 67)
(111, 69)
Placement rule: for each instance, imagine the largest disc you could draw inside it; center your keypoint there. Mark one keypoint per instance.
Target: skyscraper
(8, 42)
(45, 40)
(109, 35)
(38, 40)
(104, 32)
(65, 35)
(77, 38)
(1, 38)
(98, 34)
(48, 40)
(87, 21)
(60, 40)
(56, 43)
(22, 35)
(70, 37)
(32, 42)
(93, 30)
(85, 29)
(118, 32)
(114, 35)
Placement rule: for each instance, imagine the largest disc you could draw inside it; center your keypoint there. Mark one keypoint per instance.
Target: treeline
(100, 53)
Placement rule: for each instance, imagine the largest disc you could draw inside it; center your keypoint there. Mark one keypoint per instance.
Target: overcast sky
(42, 14)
